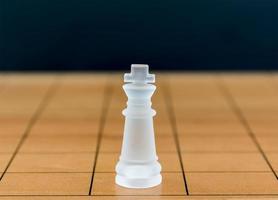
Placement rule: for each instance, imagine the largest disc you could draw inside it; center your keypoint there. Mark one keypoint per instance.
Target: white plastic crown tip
(139, 74)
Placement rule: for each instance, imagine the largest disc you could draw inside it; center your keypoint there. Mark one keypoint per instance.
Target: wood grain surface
(216, 136)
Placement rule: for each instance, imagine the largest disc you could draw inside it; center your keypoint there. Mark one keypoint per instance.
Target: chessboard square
(159, 96)
(163, 131)
(70, 101)
(36, 80)
(268, 143)
(265, 115)
(210, 133)
(13, 127)
(162, 128)
(25, 91)
(211, 115)
(65, 127)
(202, 94)
(118, 102)
(22, 102)
(217, 144)
(172, 184)
(262, 128)
(73, 80)
(45, 184)
(165, 144)
(248, 85)
(218, 127)
(72, 114)
(111, 143)
(273, 159)
(232, 183)
(263, 102)
(107, 162)
(162, 113)
(50, 144)
(4, 160)
(193, 104)
(65, 162)
(115, 113)
(169, 162)
(190, 79)
(13, 114)
(81, 90)
(114, 127)
(60, 104)
(224, 162)
(8, 144)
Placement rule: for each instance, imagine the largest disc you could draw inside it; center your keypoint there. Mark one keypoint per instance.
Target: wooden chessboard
(216, 136)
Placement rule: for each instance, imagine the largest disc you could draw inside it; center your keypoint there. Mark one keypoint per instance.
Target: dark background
(167, 34)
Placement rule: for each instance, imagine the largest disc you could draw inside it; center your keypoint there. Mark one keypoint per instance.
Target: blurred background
(110, 35)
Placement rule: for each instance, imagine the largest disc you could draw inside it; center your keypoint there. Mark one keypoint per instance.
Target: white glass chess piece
(138, 166)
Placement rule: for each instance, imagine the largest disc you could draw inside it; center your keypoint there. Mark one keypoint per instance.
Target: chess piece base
(138, 174)
(138, 182)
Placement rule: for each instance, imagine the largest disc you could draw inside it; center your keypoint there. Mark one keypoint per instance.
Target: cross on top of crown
(139, 74)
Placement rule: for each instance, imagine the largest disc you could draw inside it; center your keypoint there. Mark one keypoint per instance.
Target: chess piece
(138, 165)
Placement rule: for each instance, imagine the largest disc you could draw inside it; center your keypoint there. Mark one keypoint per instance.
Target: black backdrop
(167, 34)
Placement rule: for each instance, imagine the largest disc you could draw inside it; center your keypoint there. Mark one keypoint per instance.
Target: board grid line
(109, 152)
(107, 95)
(232, 102)
(112, 172)
(171, 113)
(141, 195)
(42, 105)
